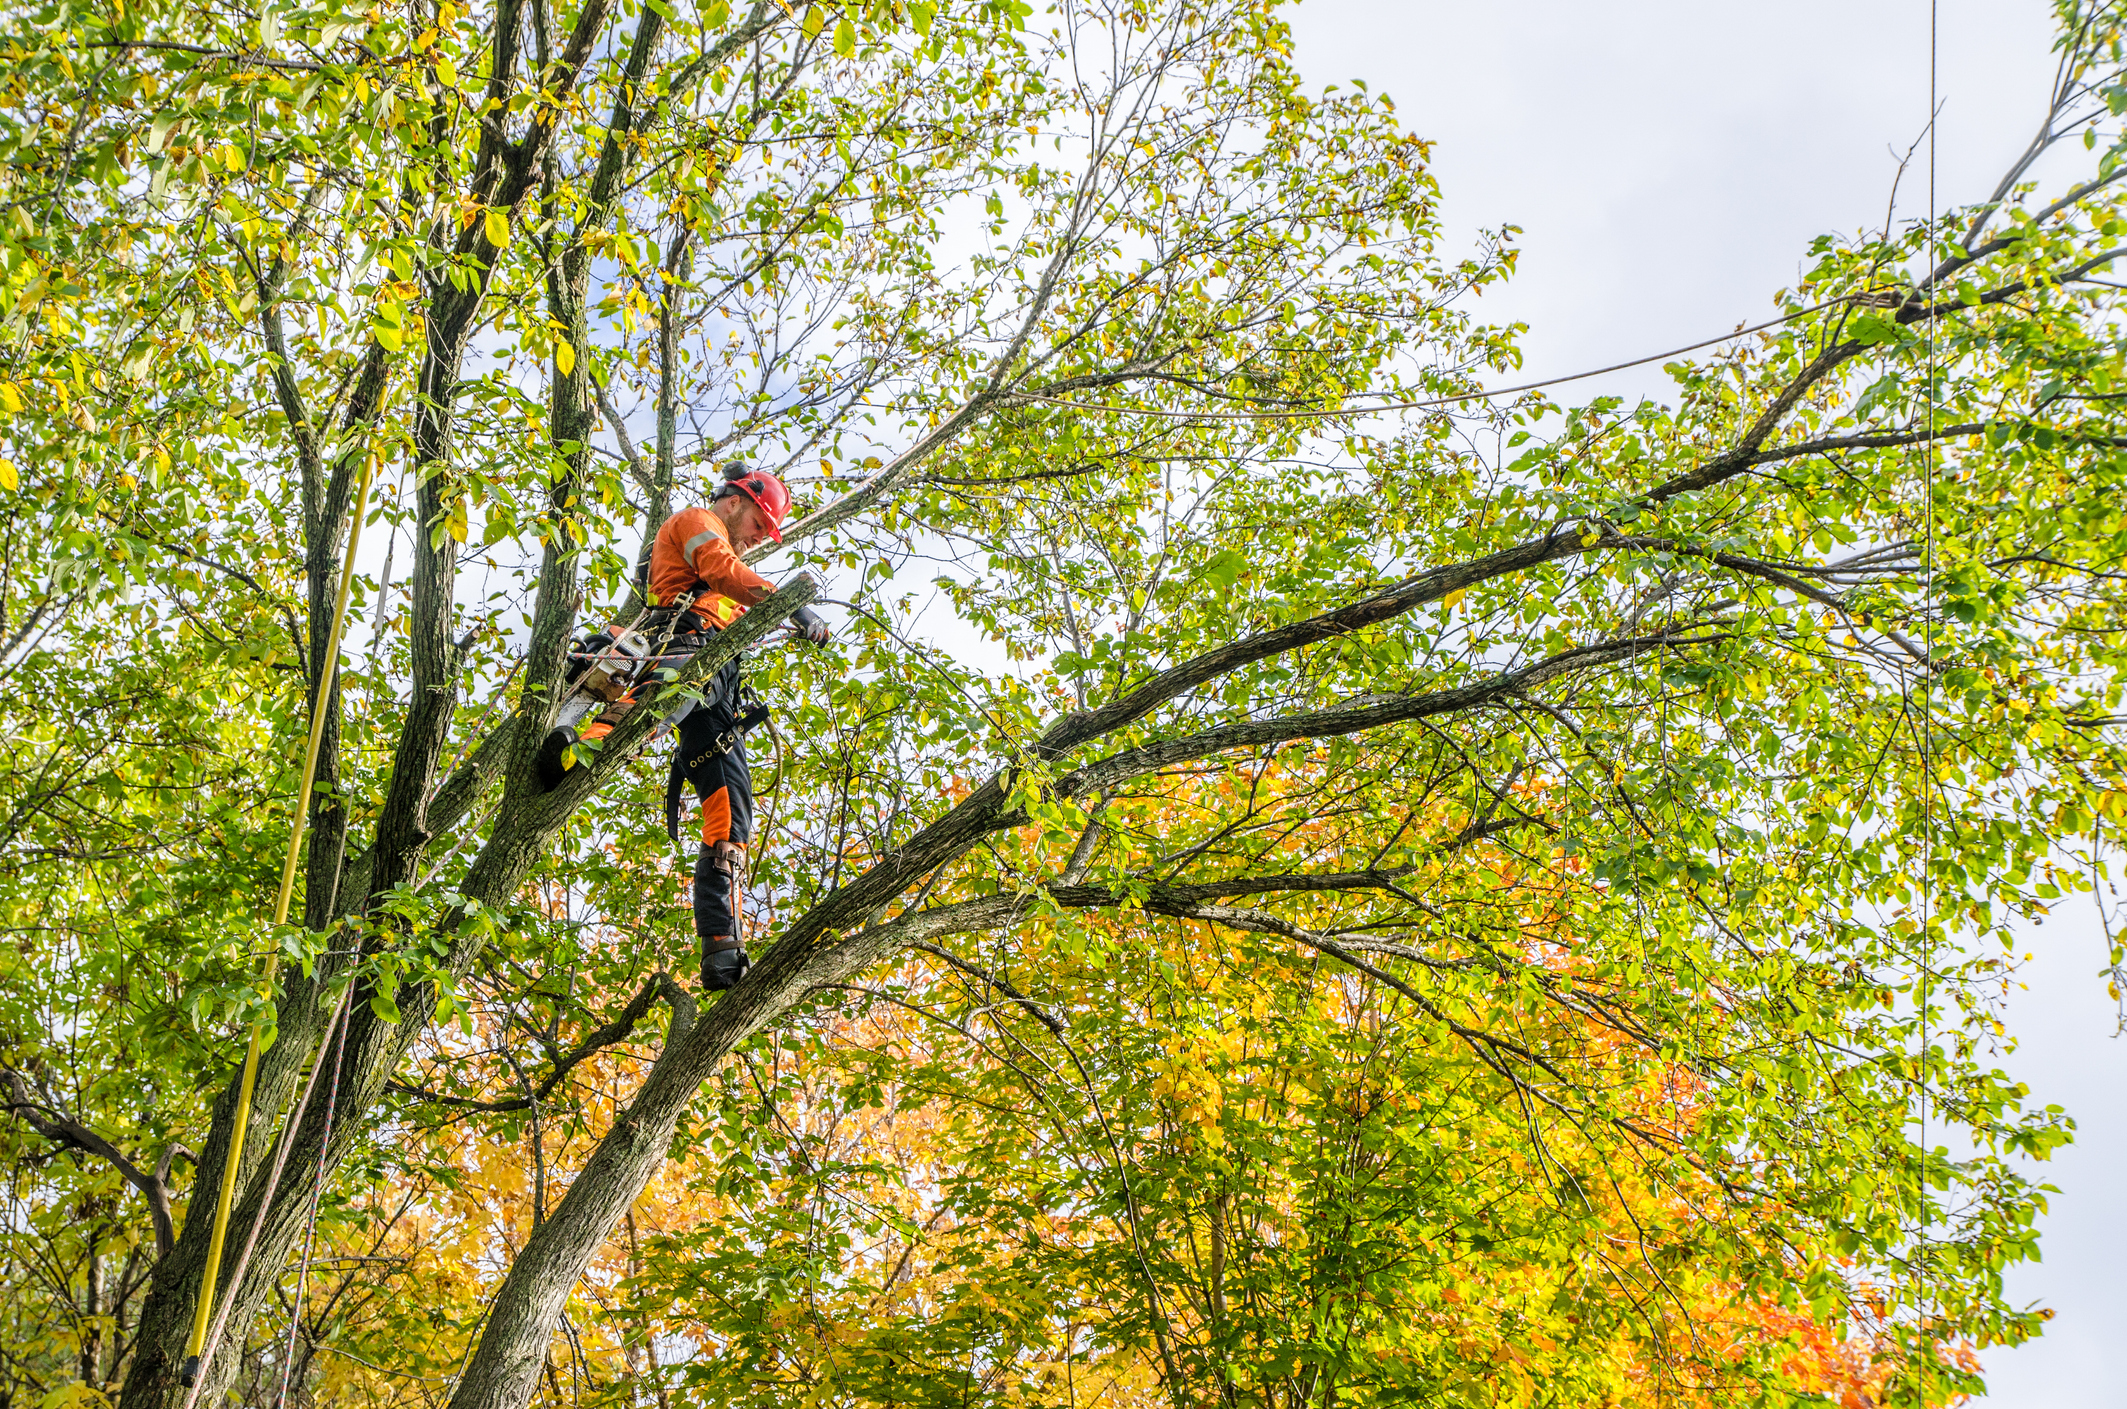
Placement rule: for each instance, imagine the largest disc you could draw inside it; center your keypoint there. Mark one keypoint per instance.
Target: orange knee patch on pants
(716, 817)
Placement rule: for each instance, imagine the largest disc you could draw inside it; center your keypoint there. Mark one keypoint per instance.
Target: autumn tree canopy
(1297, 882)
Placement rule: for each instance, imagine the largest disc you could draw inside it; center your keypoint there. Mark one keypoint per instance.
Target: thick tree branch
(1329, 723)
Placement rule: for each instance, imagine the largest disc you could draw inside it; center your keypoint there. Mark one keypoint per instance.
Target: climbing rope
(282, 1148)
(198, 1352)
(317, 1194)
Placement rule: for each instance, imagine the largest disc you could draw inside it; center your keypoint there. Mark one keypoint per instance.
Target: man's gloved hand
(811, 625)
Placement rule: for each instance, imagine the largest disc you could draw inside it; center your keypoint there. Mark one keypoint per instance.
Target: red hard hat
(768, 495)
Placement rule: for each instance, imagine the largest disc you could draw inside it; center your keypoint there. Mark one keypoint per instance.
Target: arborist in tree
(697, 584)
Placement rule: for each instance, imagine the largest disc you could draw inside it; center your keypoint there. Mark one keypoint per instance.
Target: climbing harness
(748, 713)
(606, 666)
(197, 1351)
(605, 670)
(609, 671)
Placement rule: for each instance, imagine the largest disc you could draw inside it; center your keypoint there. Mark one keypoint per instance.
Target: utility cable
(1322, 413)
(196, 1351)
(1928, 733)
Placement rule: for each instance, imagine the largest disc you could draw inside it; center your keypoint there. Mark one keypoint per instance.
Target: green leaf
(1638, 850)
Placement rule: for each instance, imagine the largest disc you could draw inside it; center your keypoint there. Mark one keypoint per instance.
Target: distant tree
(1636, 795)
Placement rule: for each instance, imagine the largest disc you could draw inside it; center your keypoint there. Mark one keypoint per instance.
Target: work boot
(724, 963)
(550, 763)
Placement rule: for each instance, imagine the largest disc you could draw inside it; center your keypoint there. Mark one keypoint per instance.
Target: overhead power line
(1320, 413)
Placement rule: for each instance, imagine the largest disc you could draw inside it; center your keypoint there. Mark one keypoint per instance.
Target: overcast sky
(1669, 161)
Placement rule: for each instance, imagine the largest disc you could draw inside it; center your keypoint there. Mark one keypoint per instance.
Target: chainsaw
(606, 675)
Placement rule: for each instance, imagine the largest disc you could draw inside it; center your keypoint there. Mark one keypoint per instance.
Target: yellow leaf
(564, 358)
(8, 481)
(845, 38)
(10, 398)
(498, 228)
(1452, 598)
(232, 157)
(447, 72)
(814, 18)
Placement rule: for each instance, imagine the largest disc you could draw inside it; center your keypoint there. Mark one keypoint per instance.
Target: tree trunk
(504, 1369)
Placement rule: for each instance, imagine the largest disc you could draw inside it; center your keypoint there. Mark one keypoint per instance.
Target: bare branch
(45, 1116)
(616, 1031)
(1329, 723)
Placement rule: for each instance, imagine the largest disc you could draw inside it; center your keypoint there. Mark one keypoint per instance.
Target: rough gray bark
(328, 537)
(327, 518)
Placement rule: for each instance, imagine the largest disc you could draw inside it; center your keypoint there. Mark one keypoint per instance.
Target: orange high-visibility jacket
(693, 554)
